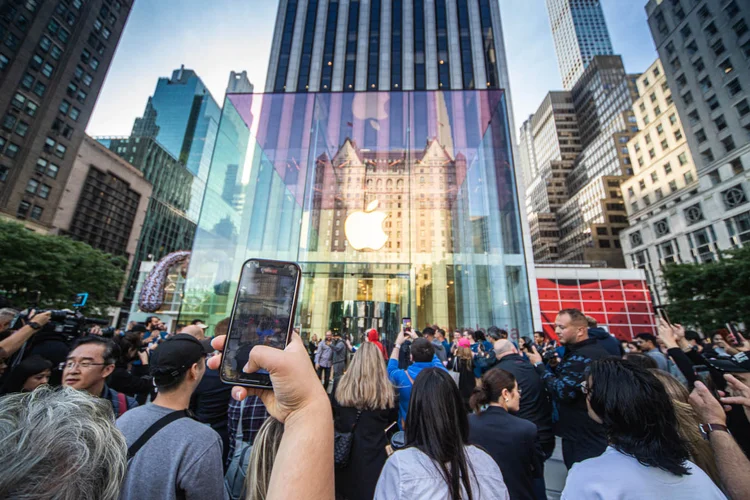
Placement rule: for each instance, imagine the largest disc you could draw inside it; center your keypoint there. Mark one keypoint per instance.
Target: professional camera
(66, 324)
(549, 355)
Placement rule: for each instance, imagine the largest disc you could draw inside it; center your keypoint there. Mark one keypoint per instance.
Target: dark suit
(513, 443)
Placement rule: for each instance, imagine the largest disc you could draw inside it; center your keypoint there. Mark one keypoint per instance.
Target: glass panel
(394, 204)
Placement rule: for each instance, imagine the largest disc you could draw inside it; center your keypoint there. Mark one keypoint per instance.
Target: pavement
(555, 472)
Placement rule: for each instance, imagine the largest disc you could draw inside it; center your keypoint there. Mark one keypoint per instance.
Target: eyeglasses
(585, 389)
(81, 364)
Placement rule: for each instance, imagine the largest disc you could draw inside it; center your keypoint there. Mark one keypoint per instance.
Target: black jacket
(564, 385)
(536, 405)
(512, 442)
(358, 479)
(135, 382)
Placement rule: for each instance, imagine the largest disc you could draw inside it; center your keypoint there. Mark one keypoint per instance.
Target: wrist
(317, 410)
(397, 346)
(34, 325)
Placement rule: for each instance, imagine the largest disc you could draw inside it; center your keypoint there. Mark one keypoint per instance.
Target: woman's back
(358, 479)
(411, 474)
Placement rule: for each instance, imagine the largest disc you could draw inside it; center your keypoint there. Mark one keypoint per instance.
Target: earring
(506, 400)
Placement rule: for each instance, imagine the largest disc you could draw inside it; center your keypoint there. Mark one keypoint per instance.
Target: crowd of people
(469, 414)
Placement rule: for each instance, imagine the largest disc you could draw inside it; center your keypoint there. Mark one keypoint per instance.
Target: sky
(215, 37)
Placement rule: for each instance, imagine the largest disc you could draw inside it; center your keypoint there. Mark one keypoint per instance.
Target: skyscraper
(53, 60)
(371, 45)
(580, 33)
(183, 117)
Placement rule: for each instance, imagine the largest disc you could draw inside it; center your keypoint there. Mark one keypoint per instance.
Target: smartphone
(406, 324)
(734, 334)
(262, 314)
(662, 312)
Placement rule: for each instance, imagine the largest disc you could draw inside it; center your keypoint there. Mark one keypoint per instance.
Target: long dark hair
(637, 414)
(437, 425)
(491, 388)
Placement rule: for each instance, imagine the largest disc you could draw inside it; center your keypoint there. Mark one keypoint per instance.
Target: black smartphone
(734, 334)
(406, 324)
(262, 314)
(662, 312)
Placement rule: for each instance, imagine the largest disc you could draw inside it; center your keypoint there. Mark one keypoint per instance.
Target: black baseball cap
(739, 363)
(175, 356)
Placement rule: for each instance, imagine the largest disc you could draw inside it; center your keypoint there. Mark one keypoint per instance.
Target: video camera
(67, 324)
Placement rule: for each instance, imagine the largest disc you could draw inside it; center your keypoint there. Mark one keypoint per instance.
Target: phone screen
(406, 323)
(262, 315)
(663, 314)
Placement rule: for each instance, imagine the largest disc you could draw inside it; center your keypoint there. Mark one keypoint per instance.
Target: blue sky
(214, 37)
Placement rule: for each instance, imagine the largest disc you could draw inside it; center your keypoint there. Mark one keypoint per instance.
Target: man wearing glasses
(90, 361)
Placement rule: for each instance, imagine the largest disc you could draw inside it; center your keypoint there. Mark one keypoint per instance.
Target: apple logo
(365, 229)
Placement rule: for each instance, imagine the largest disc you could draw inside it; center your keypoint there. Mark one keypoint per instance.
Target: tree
(59, 268)
(711, 294)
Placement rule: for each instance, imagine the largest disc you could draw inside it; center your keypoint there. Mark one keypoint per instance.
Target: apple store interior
(394, 204)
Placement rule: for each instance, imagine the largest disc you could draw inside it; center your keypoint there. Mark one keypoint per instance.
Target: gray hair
(262, 457)
(7, 314)
(60, 444)
(503, 346)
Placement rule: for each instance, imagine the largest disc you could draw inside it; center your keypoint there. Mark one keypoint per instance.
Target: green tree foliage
(711, 294)
(58, 267)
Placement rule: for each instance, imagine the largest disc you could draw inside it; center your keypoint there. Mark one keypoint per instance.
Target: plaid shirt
(253, 416)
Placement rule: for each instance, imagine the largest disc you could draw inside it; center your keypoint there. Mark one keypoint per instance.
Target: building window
(734, 87)
(36, 212)
(32, 186)
(661, 228)
(397, 24)
(654, 177)
(707, 156)
(659, 194)
(683, 159)
(660, 129)
(718, 47)
(642, 184)
(739, 229)
(441, 18)
(672, 118)
(52, 171)
(715, 177)
(464, 30)
(700, 244)
(22, 128)
(688, 98)
(720, 123)
(726, 66)
(373, 46)
(694, 117)
(672, 186)
(743, 108)
(43, 191)
(285, 47)
(701, 136)
(740, 28)
(667, 168)
(713, 103)
(737, 166)
(688, 178)
(647, 201)
(731, 9)
(636, 239)
(74, 113)
(678, 135)
(350, 56)
(728, 143)
(705, 85)
(710, 29)
(9, 122)
(664, 145)
(734, 197)
(23, 209)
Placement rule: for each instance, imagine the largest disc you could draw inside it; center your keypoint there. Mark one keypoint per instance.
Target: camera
(549, 355)
(67, 324)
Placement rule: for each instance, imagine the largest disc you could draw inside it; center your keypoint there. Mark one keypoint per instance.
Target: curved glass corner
(394, 204)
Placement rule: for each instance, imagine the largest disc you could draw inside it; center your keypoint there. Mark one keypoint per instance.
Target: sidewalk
(555, 472)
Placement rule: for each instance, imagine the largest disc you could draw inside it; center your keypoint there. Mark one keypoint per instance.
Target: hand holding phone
(296, 387)
(262, 315)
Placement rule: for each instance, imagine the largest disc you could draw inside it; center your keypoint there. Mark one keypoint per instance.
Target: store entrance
(352, 298)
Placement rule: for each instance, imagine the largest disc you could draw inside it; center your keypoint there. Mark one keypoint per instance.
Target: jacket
(403, 384)
(536, 405)
(439, 350)
(607, 341)
(564, 385)
(339, 352)
(513, 443)
(324, 355)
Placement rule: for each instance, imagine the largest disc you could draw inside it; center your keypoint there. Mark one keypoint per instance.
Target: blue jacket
(403, 384)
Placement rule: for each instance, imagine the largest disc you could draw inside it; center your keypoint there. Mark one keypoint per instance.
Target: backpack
(234, 479)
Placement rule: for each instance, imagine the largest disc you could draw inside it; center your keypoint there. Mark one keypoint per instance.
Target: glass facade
(464, 37)
(307, 45)
(326, 74)
(394, 204)
(441, 24)
(397, 26)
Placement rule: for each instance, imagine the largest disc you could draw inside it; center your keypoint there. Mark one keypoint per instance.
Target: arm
(436, 362)
(565, 384)
(18, 338)
(730, 460)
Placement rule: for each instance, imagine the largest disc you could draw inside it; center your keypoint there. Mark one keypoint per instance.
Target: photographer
(130, 378)
(34, 323)
(582, 438)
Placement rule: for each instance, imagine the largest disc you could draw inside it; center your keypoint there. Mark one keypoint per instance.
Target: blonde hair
(262, 456)
(687, 425)
(365, 384)
(466, 354)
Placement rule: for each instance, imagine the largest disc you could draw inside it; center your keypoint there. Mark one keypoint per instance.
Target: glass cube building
(394, 204)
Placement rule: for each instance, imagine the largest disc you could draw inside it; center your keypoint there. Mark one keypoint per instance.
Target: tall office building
(53, 60)
(370, 45)
(550, 144)
(664, 174)
(183, 117)
(580, 34)
(704, 48)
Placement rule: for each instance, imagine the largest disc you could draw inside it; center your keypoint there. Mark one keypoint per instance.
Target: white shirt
(616, 476)
(412, 475)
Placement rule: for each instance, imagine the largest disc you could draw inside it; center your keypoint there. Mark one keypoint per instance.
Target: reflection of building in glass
(437, 163)
(167, 226)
